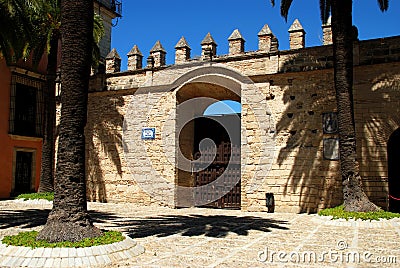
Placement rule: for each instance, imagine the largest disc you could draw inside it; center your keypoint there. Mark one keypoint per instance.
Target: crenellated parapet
(113, 62)
(135, 59)
(158, 53)
(236, 43)
(182, 51)
(267, 43)
(327, 32)
(208, 47)
(297, 35)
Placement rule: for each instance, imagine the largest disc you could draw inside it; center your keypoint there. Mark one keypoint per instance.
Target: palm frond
(325, 9)
(98, 28)
(98, 33)
(383, 4)
(285, 6)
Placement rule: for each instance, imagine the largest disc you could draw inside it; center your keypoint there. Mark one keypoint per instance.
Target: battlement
(267, 43)
(296, 58)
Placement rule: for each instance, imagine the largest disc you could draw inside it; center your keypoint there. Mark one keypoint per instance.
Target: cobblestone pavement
(200, 237)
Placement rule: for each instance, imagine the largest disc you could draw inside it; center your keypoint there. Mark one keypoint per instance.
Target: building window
(26, 107)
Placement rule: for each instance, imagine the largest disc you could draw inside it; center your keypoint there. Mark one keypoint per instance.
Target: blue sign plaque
(148, 133)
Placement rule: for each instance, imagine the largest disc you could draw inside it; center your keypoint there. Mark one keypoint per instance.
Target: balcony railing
(114, 5)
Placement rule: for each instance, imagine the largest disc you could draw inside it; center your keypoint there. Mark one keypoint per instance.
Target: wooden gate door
(225, 167)
(23, 172)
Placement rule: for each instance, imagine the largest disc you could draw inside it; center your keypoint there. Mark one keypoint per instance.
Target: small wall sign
(148, 133)
(329, 123)
(331, 149)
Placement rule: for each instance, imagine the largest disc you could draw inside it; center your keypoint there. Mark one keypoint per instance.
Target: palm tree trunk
(69, 219)
(354, 197)
(48, 147)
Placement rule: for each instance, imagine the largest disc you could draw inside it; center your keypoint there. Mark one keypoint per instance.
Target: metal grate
(26, 106)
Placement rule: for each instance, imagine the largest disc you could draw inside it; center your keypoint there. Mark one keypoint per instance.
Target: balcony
(113, 5)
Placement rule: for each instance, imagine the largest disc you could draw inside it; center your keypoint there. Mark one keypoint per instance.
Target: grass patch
(339, 213)
(47, 196)
(28, 239)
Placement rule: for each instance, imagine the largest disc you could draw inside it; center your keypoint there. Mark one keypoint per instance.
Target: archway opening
(393, 149)
(208, 129)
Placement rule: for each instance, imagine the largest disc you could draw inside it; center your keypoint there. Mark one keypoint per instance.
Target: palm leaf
(325, 9)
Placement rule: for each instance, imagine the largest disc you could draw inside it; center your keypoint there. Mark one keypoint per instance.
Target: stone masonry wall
(282, 137)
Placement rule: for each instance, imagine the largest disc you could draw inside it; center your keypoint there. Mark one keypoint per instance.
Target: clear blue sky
(144, 22)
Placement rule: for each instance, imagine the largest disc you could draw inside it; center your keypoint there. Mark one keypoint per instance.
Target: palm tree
(49, 35)
(16, 29)
(354, 197)
(33, 28)
(69, 219)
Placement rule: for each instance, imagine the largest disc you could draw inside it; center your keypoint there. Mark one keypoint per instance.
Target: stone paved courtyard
(200, 237)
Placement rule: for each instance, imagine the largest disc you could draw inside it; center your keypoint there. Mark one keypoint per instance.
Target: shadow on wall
(311, 178)
(314, 178)
(104, 143)
(378, 108)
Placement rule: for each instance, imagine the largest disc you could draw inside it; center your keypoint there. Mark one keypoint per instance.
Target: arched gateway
(394, 171)
(200, 160)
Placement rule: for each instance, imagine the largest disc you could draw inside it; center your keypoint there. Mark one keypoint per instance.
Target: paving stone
(96, 251)
(9, 251)
(72, 253)
(107, 259)
(78, 262)
(86, 261)
(26, 262)
(49, 262)
(6, 260)
(56, 252)
(88, 251)
(92, 261)
(33, 262)
(57, 262)
(64, 262)
(71, 262)
(80, 252)
(100, 260)
(47, 253)
(102, 250)
(64, 252)
(41, 262)
(18, 261)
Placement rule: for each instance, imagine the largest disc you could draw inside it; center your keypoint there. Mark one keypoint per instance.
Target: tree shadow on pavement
(217, 226)
(27, 218)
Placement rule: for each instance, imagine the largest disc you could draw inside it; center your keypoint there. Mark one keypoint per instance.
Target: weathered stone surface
(283, 96)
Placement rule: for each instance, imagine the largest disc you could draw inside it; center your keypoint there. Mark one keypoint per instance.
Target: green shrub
(28, 239)
(339, 213)
(47, 196)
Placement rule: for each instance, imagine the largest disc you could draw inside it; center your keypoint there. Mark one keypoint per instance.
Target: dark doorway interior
(226, 162)
(23, 172)
(394, 171)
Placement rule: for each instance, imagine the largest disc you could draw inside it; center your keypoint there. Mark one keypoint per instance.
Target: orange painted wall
(7, 143)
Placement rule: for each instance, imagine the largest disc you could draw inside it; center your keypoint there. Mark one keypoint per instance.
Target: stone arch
(393, 148)
(195, 92)
(257, 128)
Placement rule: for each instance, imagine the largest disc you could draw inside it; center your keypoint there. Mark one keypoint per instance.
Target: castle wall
(284, 96)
